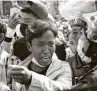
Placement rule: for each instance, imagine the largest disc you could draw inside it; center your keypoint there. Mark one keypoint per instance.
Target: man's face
(27, 18)
(72, 43)
(43, 48)
(77, 31)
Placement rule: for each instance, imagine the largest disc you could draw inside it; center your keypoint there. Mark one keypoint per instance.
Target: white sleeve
(80, 47)
(10, 32)
(18, 32)
(6, 46)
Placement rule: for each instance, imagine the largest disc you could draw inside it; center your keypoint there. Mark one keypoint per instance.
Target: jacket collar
(26, 62)
(53, 68)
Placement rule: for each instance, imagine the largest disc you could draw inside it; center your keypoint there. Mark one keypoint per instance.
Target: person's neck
(36, 67)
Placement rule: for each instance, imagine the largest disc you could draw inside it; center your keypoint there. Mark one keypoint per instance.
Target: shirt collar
(35, 62)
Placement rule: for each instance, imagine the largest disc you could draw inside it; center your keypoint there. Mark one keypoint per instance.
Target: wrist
(10, 33)
(7, 39)
(82, 57)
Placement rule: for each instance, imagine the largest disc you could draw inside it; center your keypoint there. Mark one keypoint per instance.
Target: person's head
(78, 27)
(33, 11)
(72, 42)
(41, 41)
(92, 31)
(3, 31)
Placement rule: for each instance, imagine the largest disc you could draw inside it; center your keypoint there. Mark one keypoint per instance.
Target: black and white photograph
(48, 45)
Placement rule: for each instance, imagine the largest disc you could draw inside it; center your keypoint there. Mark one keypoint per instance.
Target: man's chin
(45, 62)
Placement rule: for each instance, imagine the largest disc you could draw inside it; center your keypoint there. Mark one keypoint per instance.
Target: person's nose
(46, 49)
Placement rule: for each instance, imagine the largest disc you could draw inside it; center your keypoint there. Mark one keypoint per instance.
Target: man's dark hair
(38, 28)
(3, 28)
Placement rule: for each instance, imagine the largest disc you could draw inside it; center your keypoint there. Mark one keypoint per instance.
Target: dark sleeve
(60, 52)
(23, 28)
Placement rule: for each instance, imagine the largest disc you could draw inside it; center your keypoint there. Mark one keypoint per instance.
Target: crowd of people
(38, 53)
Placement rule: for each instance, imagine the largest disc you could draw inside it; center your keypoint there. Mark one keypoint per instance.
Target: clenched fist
(20, 74)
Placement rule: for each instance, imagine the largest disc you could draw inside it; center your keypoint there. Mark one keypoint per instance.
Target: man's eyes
(51, 44)
(71, 43)
(27, 20)
(42, 44)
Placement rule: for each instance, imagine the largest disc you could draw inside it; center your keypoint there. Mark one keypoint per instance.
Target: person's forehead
(46, 36)
(76, 27)
(26, 15)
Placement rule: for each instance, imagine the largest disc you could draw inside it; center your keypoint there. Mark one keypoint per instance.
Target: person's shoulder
(62, 63)
(65, 67)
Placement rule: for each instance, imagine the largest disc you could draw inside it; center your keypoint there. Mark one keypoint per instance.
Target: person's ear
(1, 37)
(28, 46)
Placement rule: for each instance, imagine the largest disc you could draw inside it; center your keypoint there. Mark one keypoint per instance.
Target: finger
(19, 80)
(17, 77)
(15, 73)
(15, 21)
(15, 68)
(13, 16)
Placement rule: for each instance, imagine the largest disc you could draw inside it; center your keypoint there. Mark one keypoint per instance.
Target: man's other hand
(13, 21)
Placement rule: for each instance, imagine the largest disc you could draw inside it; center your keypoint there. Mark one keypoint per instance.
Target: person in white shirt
(41, 71)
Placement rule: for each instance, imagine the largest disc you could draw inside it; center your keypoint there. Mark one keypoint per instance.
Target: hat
(38, 8)
(78, 22)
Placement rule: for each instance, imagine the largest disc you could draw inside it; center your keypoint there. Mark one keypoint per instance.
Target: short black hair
(38, 28)
(3, 28)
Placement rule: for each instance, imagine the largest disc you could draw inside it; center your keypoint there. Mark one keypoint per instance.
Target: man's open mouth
(45, 59)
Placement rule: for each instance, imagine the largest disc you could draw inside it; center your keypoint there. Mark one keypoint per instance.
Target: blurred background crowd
(76, 41)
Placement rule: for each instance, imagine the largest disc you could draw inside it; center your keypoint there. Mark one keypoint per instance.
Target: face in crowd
(72, 43)
(77, 31)
(32, 11)
(27, 17)
(42, 44)
(92, 31)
